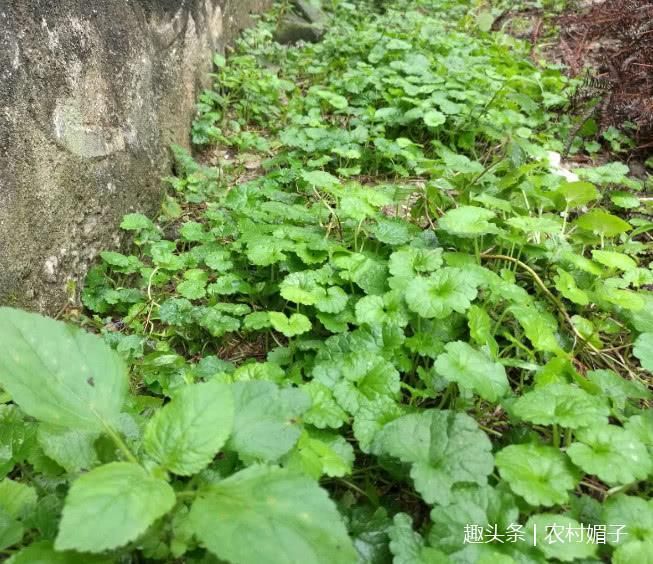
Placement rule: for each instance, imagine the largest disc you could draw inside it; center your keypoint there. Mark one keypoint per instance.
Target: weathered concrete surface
(91, 96)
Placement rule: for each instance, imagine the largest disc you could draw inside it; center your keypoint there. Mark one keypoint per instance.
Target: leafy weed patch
(410, 321)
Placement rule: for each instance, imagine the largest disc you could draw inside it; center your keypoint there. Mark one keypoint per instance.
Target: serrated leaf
(538, 328)
(561, 404)
(59, 374)
(72, 449)
(473, 370)
(267, 514)
(320, 453)
(394, 231)
(372, 417)
(95, 518)
(266, 424)
(468, 221)
(542, 475)
(185, 435)
(471, 504)
(442, 293)
(324, 411)
(408, 547)
(444, 448)
(612, 453)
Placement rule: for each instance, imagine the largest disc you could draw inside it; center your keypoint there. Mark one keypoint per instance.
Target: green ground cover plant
(375, 312)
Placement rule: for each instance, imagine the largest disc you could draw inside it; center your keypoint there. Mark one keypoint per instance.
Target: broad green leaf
(433, 118)
(566, 285)
(11, 530)
(407, 262)
(614, 260)
(372, 417)
(443, 292)
(320, 453)
(194, 285)
(577, 194)
(471, 505)
(480, 329)
(602, 223)
(561, 404)
(17, 499)
(633, 518)
(42, 552)
(643, 350)
(364, 378)
(320, 179)
(468, 221)
(444, 448)
(266, 424)
(111, 506)
(291, 326)
(256, 321)
(135, 222)
(267, 514)
(72, 449)
(617, 387)
(542, 475)
(370, 310)
(408, 547)
(324, 411)
(59, 374)
(612, 453)
(551, 533)
(216, 322)
(538, 328)
(334, 301)
(187, 433)
(535, 224)
(301, 288)
(473, 370)
(394, 231)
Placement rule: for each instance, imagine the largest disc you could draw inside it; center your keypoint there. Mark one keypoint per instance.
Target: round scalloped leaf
(542, 475)
(111, 506)
(473, 370)
(442, 293)
(559, 537)
(611, 453)
(468, 221)
(444, 448)
(561, 404)
(291, 326)
(271, 515)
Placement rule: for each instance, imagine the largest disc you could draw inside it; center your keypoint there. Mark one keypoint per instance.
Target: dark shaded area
(616, 38)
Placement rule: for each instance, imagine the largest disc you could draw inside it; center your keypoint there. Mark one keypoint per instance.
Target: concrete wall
(91, 96)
